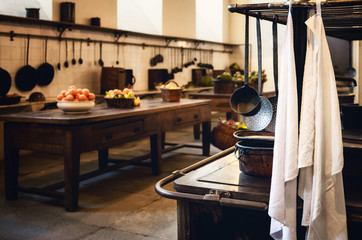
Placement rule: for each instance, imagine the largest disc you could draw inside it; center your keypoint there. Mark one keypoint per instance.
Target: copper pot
(255, 154)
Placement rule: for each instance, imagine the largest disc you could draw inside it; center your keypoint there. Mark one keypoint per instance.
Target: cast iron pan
(26, 77)
(45, 70)
(5, 82)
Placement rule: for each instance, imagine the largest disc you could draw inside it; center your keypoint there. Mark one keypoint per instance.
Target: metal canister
(67, 12)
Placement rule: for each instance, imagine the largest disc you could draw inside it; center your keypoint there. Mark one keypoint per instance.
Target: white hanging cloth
(282, 202)
(320, 157)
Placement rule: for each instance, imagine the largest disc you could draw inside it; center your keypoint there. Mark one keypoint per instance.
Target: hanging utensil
(153, 60)
(5, 82)
(80, 60)
(66, 64)
(246, 99)
(274, 100)
(117, 61)
(159, 57)
(45, 70)
(59, 65)
(26, 77)
(350, 71)
(100, 61)
(73, 60)
(262, 118)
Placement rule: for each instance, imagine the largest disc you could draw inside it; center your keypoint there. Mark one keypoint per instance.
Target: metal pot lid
(261, 119)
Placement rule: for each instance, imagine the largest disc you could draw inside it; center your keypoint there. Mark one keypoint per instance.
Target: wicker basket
(120, 102)
(171, 95)
(222, 136)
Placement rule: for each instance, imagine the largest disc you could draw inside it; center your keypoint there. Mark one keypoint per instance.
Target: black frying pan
(45, 70)
(5, 82)
(26, 77)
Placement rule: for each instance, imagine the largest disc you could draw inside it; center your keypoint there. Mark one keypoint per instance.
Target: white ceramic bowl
(77, 107)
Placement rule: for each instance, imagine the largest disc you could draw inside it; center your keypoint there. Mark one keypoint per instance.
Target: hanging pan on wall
(45, 70)
(263, 117)
(5, 82)
(246, 100)
(26, 77)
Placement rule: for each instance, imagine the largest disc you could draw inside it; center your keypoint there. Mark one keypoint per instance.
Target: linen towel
(282, 202)
(320, 156)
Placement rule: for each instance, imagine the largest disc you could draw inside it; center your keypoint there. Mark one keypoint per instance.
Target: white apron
(282, 202)
(320, 157)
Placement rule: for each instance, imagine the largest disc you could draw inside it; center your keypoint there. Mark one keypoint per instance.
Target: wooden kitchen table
(99, 129)
(219, 103)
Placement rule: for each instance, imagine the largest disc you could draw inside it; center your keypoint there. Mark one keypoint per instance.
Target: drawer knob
(196, 116)
(178, 120)
(136, 130)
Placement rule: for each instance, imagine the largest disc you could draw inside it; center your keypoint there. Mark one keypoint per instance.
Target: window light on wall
(209, 20)
(143, 16)
(18, 8)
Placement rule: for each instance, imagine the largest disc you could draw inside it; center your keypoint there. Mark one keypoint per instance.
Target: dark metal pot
(255, 154)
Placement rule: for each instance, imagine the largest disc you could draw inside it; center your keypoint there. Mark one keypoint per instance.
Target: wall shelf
(117, 33)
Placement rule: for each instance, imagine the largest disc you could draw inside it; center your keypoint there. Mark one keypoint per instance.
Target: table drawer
(185, 116)
(117, 131)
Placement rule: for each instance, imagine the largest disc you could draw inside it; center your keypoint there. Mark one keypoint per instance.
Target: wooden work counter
(99, 129)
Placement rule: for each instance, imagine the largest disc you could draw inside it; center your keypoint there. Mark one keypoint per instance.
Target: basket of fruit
(117, 98)
(171, 93)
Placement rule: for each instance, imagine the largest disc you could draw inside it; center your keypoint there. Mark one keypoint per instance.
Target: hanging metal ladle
(262, 118)
(80, 60)
(246, 100)
(100, 61)
(274, 99)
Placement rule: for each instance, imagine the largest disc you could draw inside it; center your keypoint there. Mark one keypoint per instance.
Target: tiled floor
(119, 205)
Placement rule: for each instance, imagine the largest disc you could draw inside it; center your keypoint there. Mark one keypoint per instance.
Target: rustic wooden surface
(101, 128)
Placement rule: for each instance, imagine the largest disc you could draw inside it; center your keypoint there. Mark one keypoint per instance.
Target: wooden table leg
(103, 159)
(206, 135)
(11, 166)
(71, 171)
(156, 149)
(163, 140)
(197, 131)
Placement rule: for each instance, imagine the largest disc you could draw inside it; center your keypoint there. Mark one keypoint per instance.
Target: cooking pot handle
(133, 80)
(239, 152)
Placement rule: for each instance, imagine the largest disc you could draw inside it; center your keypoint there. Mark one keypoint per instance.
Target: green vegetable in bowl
(224, 76)
(206, 81)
